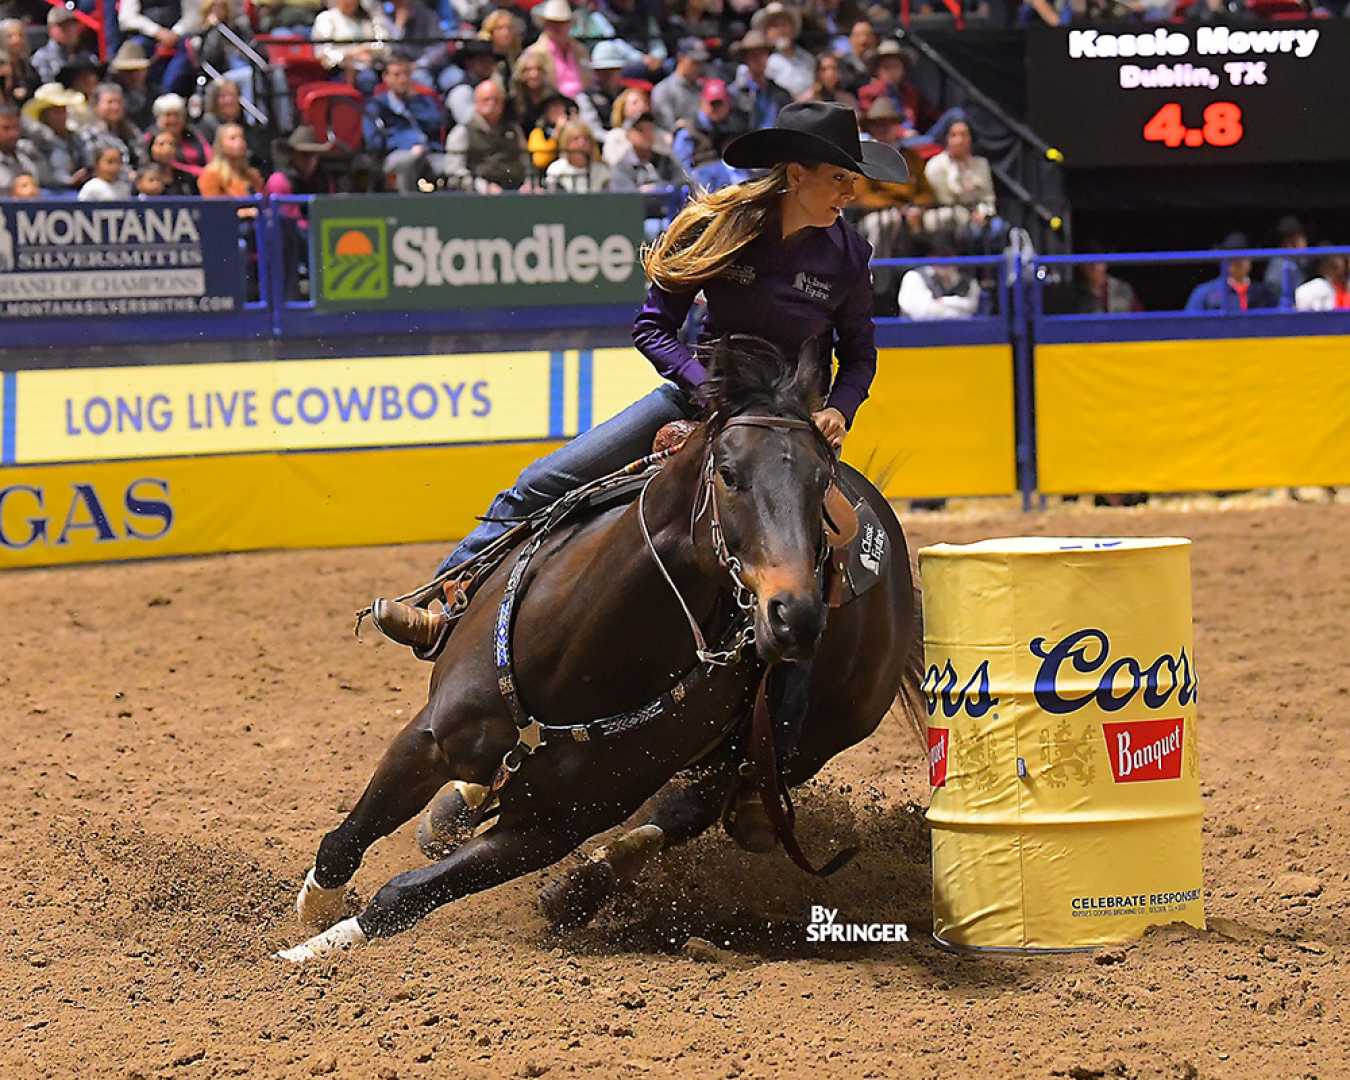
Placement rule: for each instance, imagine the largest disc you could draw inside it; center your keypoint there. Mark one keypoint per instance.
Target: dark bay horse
(600, 629)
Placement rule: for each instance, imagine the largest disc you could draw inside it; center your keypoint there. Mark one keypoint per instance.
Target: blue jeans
(592, 454)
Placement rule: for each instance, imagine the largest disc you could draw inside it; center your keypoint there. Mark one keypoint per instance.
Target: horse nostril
(778, 618)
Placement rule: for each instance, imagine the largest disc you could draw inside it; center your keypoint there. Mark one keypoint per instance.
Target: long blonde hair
(706, 235)
(221, 166)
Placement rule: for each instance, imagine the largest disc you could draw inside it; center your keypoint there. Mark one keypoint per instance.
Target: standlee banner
(94, 260)
(387, 252)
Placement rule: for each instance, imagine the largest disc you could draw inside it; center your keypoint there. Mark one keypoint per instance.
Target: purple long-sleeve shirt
(814, 284)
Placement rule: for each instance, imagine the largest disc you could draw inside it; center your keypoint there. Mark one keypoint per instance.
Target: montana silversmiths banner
(156, 257)
(399, 253)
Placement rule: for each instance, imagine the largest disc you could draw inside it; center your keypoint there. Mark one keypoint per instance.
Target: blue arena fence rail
(275, 311)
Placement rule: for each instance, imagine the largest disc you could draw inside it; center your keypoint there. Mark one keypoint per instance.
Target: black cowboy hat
(816, 131)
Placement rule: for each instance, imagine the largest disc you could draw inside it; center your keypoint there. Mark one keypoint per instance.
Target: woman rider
(773, 258)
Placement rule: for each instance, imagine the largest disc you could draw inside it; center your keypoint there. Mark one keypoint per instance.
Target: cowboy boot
(421, 629)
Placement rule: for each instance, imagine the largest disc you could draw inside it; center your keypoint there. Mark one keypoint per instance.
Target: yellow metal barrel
(1063, 755)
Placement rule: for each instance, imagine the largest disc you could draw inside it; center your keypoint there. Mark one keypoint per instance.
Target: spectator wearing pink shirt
(566, 60)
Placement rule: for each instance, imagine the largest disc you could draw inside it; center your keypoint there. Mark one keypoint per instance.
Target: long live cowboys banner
(64, 259)
(387, 252)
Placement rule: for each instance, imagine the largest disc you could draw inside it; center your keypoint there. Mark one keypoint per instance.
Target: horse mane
(747, 374)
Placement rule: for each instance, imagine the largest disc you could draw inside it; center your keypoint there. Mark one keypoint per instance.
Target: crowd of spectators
(491, 96)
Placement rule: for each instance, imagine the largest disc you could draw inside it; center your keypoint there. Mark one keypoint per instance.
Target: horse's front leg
(520, 842)
(417, 763)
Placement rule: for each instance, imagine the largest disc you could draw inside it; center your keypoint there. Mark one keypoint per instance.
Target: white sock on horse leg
(343, 935)
(319, 907)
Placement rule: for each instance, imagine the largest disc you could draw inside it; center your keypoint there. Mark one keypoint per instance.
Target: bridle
(706, 502)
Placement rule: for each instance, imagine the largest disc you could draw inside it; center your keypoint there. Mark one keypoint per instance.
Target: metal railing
(1029, 170)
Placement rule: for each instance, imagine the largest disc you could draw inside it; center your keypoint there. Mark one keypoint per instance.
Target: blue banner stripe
(9, 420)
(585, 391)
(556, 390)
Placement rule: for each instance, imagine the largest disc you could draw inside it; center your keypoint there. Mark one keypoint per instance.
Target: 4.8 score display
(1221, 125)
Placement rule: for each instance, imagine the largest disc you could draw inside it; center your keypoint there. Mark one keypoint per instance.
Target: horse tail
(908, 705)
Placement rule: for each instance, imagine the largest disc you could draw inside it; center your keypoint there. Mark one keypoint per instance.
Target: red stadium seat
(296, 57)
(334, 110)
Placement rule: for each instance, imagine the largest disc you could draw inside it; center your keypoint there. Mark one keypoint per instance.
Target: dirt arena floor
(178, 735)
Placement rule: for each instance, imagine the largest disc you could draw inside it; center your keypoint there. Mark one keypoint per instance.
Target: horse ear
(808, 377)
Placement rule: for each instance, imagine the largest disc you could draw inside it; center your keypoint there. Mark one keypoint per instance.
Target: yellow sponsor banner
(939, 421)
(99, 414)
(102, 511)
(1063, 751)
(1193, 415)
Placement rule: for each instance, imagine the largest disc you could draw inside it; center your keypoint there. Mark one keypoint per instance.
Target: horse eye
(728, 475)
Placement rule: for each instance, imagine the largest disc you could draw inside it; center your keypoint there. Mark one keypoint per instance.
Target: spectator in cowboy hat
(477, 59)
(676, 97)
(754, 95)
(111, 127)
(1234, 290)
(63, 44)
(789, 65)
(567, 61)
(22, 78)
(131, 71)
(922, 130)
(301, 174)
(61, 161)
(82, 75)
(162, 27)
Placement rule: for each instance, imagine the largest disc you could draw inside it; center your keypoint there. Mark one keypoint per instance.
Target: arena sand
(178, 735)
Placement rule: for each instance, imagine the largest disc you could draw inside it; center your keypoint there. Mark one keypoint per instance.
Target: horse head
(766, 473)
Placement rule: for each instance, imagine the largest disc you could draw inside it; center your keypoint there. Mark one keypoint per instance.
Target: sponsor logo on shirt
(813, 287)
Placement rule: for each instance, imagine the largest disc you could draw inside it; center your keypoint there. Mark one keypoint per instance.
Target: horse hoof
(574, 900)
(319, 908)
(445, 825)
(342, 935)
(749, 825)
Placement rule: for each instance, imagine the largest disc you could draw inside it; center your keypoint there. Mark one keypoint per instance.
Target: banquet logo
(355, 264)
(1086, 653)
(1144, 749)
(940, 692)
(937, 757)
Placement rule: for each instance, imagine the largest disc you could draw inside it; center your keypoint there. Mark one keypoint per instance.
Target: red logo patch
(937, 756)
(1144, 749)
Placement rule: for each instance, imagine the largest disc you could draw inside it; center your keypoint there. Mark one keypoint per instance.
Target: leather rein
(773, 791)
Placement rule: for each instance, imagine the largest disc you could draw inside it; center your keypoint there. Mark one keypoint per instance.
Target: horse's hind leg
(517, 845)
(413, 769)
(681, 813)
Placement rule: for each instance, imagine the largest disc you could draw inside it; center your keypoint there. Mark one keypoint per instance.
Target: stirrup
(428, 651)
